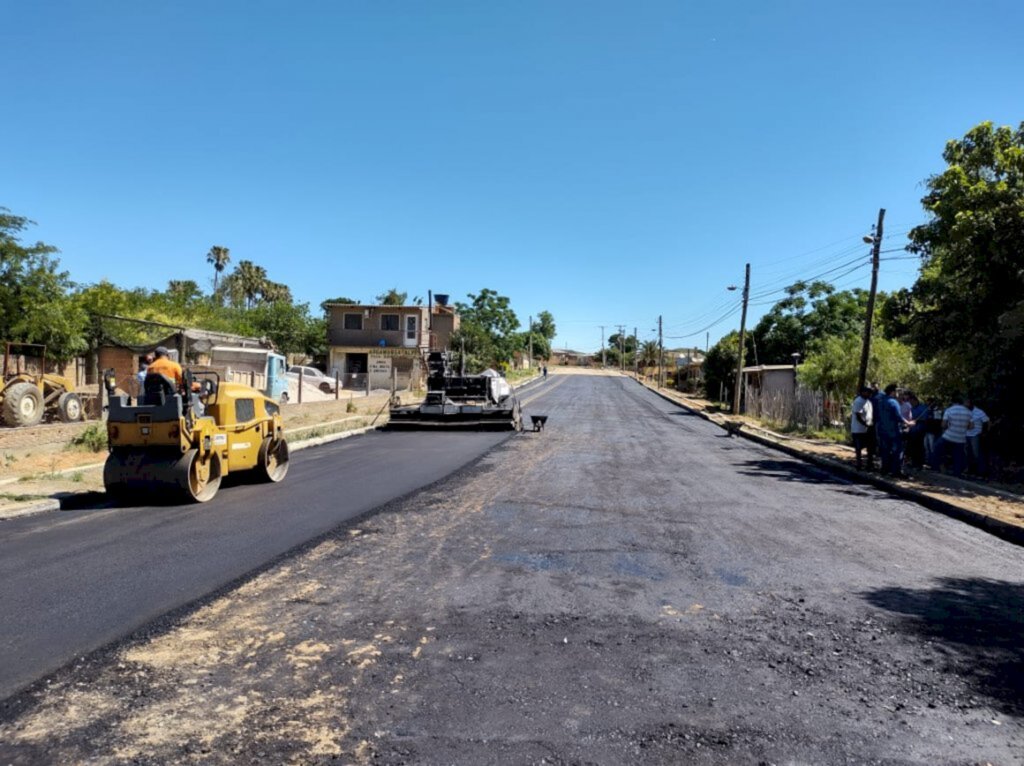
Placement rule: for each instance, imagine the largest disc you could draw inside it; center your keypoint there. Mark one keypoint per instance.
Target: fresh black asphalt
(631, 586)
(73, 581)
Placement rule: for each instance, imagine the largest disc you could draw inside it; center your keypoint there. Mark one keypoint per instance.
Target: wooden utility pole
(661, 355)
(636, 355)
(743, 333)
(602, 347)
(622, 347)
(865, 352)
(531, 343)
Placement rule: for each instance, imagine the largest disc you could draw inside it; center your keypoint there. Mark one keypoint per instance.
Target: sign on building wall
(380, 365)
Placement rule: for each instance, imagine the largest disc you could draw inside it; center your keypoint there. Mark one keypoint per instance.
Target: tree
(220, 257)
(183, 292)
(833, 364)
(246, 284)
(720, 366)
(290, 326)
(648, 353)
(488, 328)
(966, 310)
(392, 298)
(544, 325)
(809, 312)
(34, 305)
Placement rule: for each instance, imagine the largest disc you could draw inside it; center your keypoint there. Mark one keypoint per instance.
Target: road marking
(543, 391)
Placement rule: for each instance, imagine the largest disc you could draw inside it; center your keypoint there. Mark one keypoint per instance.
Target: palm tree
(649, 353)
(252, 281)
(219, 257)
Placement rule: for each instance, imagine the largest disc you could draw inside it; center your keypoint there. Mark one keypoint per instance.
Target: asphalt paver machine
(484, 401)
(179, 446)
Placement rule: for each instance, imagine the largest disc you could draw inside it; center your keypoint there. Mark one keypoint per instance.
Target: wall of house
(442, 328)
(125, 365)
(371, 334)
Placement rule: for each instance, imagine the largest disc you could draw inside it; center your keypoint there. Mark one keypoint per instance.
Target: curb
(43, 506)
(1009, 532)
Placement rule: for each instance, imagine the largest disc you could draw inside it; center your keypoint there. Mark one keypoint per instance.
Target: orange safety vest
(167, 367)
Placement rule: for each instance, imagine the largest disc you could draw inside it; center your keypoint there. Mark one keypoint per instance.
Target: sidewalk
(995, 510)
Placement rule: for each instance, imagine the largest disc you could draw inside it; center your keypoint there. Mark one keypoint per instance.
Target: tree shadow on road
(796, 471)
(980, 620)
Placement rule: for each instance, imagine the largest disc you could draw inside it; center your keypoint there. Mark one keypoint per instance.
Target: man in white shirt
(956, 421)
(976, 463)
(861, 421)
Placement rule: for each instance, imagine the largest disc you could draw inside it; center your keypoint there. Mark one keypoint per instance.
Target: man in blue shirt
(890, 424)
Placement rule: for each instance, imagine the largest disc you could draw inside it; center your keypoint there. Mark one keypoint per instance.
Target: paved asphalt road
(631, 586)
(71, 582)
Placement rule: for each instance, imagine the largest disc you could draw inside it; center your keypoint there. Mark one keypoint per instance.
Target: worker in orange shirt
(164, 365)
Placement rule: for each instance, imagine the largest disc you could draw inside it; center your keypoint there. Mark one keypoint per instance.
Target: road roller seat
(119, 411)
(158, 388)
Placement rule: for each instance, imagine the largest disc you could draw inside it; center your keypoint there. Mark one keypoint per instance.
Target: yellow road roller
(179, 446)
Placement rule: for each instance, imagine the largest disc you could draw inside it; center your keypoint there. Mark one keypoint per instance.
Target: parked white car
(311, 376)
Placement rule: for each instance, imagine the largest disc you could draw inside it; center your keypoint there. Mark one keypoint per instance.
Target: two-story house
(378, 340)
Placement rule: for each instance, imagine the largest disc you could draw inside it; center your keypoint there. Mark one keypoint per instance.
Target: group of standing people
(901, 430)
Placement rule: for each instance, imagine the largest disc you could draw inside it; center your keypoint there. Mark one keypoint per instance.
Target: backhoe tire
(23, 405)
(273, 459)
(69, 407)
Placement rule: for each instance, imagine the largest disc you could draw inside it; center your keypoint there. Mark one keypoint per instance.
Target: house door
(411, 323)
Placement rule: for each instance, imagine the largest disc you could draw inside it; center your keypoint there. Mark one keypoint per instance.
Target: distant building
(569, 358)
(381, 340)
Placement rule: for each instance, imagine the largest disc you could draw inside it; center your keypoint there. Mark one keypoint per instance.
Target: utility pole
(876, 242)
(531, 343)
(602, 346)
(622, 347)
(743, 332)
(661, 355)
(636, 355)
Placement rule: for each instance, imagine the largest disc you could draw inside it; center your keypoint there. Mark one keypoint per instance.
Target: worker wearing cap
(164, 365)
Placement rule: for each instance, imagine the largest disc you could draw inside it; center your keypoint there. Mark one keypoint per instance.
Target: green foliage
(218, 257)
(488, 329)
(966, 310)
(720, 365)
(544, 325)
(93, 438)
(392, 298)
(34, 307)
(808, 313)
(289, 326)
(833, 363)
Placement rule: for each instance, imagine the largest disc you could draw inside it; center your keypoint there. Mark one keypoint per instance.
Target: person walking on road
(956, 421)
(861, 428)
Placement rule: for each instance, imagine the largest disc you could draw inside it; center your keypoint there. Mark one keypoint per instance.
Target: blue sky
(608, 162)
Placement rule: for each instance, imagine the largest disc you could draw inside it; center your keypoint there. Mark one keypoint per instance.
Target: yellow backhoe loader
(179, 446)
(25, 397)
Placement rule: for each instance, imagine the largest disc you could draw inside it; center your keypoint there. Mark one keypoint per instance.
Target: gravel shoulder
(630, 586)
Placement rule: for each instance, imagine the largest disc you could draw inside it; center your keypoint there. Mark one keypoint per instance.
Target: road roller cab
(181, 446)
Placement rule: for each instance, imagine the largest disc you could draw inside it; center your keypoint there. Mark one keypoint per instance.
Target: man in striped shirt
(956, 421)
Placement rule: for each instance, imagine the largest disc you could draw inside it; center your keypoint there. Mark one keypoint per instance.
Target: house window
(353, 321)
(389, 322)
